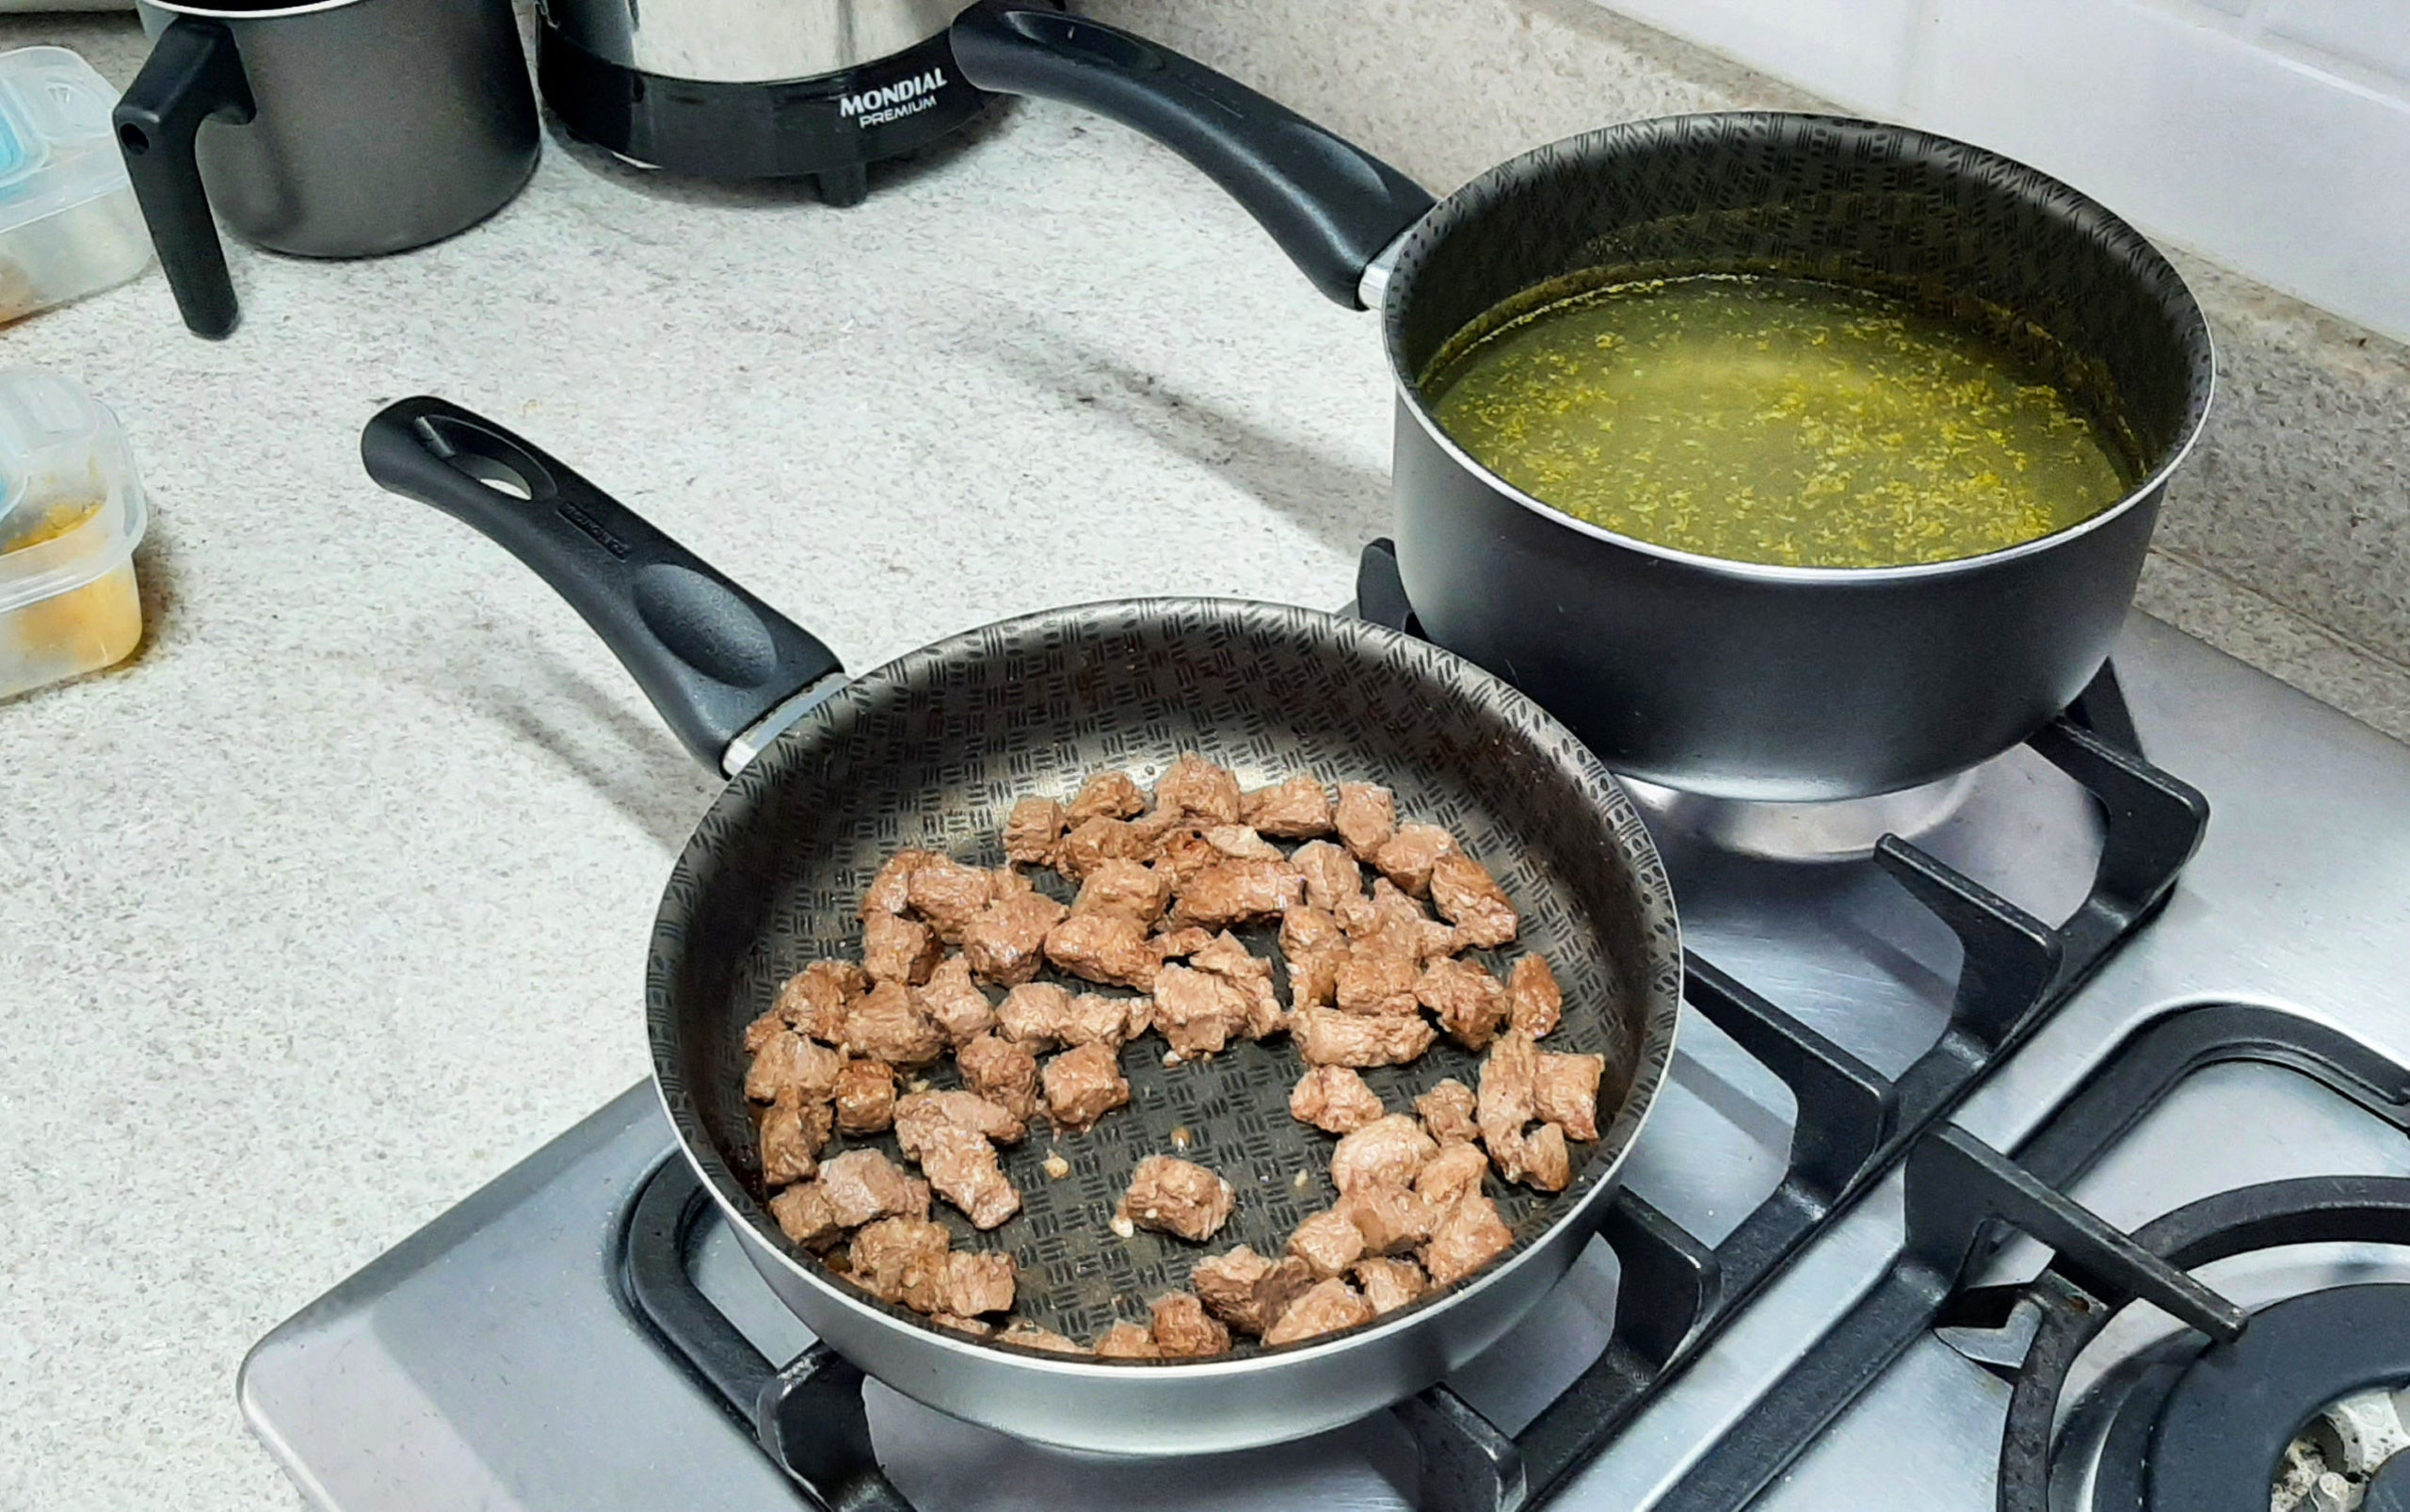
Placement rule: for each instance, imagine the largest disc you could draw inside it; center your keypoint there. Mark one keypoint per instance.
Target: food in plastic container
(72, 512)
(69, 225)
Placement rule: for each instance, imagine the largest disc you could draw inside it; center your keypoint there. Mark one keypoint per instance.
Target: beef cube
(1096, 1018)
(1031, 830)
(1195, 788)
(1454, 1172)
(1365, 818)
(1567, 1093)
(1541, 1160)
(1182, 1329)
(1003, 944)
(1241, 842)
(962, 1167)
(895, 949)
(1387, 914)
(1314, 946)
(1030, 1336)
(1447, 1110)
(789, 1063)
(885, 1024)
(865, 1097)
(1332, 875)
(1408, 857)
(1002, 1072)
(1109, 796)
(1533, 990)
(762, 1029)
(990, 1120)
(1389, 1150)
(961, 1285)
(1376, 977)
(1238, 892)
(975, 1327)
(863, 1185)
(1181, 853)
(955, 1004)
(1327, 1308)
(1126, 1341)
(893, 1253)
(1083, 1086)
(1297, 809)
(890, 891)
(1247, 1291)
(949, 896)
(1467, 1236)
(805, 1216)
(1251, 975)
(1176, 1196)
(1091, 842)
(1179, 945)
(1329, 1037)
(1333, 1099)
(1388, 1284)
(1197, 1011)
(1465, 895)
(1509, 1097)
(814, 1000)
(1132, 889)
(1470, 1004)
(1106, 947)
(1035, 1014)
(794, 1133)
(1328, 1242)
(1392, 1218)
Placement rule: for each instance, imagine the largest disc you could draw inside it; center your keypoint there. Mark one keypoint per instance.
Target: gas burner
(1847, 830)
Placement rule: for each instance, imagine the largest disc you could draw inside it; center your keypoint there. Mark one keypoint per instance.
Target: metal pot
(1727, 679)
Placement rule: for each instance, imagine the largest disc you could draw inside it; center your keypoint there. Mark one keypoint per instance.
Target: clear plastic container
(69, 225)
(72, 512)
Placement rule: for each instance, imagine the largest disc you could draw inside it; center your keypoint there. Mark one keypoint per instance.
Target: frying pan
(831, 776)
(1736, 680)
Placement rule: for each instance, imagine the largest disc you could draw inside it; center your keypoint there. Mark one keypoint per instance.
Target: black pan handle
(714, 659)
(1332, 207)
(193, 73)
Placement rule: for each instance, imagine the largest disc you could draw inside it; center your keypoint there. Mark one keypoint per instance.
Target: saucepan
(1729, 679)
(832, 777)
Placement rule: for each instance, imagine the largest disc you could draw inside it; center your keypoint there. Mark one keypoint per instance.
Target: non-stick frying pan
(832, 777)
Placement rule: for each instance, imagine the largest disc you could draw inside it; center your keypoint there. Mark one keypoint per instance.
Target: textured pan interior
(932, 749)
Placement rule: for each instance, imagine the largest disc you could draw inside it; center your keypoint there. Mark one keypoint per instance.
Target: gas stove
(2034, 1158)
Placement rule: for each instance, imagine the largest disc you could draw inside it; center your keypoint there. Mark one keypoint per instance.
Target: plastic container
(72, 512)
(69, 225)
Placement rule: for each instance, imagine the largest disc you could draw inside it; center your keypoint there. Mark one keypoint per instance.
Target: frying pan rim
(1418, 240)
(1659, 1018)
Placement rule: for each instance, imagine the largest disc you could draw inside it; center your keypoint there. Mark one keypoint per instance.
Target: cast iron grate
(1676, 1291)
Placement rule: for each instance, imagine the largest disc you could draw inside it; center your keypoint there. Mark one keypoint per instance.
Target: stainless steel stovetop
(492, 1361)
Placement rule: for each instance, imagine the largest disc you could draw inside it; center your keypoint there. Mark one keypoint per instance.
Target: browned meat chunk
(1376, 977)
(962, 1166)
(1195, 788)
(1389, 1150)
(1107, 795)
(961, 1285)
(893, 1253)
(1447, 1110)
(1299, 809)
(1567, 1093)
(1182, 853)
(1176, 1196)
(1184, 1330)
(1388, 1284)
(1030, 1336)
(1098, 1018)
(1333, 1099)
(1470, 1002)
(814, 999)
(863, 1184)
(1392, 1218)
(1329, 1037)
(885, 1024)
(1389, 915)
(890, 891)
(1509, 1097)
(1463, 892)
(918, 1111)
(805, 1216)
(1031, 830)
(1366, 818)
(1311, 943)
(895, 949)
(1252, 976)
(1542, 1160)
(1001, 1072)
(1083, 1086)
(1407, 857)
(1241, 842)
(1327, 1308)
(1126, 1341)
(1454, 1172)
(1105, 947)
(1132, 889)
(954, 1003)
(1537, 1004)
(1092, 842)
(1328, 1242)
(1236, 893)
(1467, 1236)
(1332, 875)
(975, 1327)
(1002, 943)
(1197, 1011)
(1182, 944)
(791, 1064)
(949, 896)
(1247, 1291)
(1035, 1014)
(865, 1097)
(792, 1134)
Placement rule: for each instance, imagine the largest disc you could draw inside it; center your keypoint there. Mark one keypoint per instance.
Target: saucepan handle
(1332, 207)
(715, 661)
(193, 73)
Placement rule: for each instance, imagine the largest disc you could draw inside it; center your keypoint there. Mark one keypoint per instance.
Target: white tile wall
(2273, 135)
